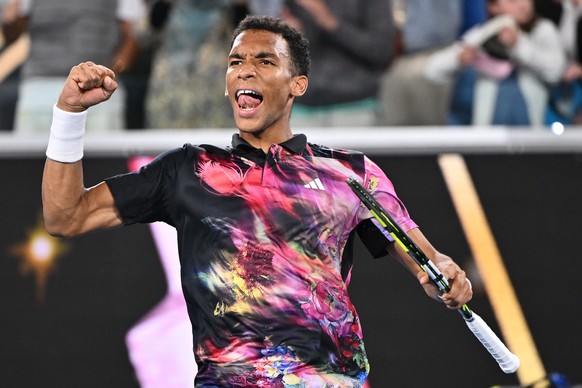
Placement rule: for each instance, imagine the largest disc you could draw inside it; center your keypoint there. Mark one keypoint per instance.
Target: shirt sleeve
(383, 191)
(145, 195)
(541, 51)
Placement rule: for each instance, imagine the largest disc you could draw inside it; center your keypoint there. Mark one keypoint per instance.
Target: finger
(109, 86)
(106, 71)
(107, 75)
(429, 287)
(87, 76)
(422, 277)
(92, 75)
(461, 291)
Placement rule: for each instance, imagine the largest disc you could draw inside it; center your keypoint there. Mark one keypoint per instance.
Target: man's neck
(263, 140)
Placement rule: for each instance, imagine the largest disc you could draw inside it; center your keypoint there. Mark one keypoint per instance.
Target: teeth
(247, 91)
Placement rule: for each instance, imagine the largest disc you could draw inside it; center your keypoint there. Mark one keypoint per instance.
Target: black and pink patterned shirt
(262, 241)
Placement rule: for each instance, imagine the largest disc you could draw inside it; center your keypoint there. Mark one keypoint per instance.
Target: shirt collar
(296, 144)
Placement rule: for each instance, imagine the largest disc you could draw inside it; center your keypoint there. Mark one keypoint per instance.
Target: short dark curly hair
(296, 41)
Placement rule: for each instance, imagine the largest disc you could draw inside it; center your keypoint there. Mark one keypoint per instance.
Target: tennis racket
(508, 362)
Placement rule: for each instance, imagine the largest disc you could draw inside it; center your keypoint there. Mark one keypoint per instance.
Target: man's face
(259, 83)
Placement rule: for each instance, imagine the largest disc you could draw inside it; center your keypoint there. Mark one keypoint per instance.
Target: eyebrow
(260, 55)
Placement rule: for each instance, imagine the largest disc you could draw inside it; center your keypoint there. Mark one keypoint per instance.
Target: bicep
(69, 208)
(100, 209)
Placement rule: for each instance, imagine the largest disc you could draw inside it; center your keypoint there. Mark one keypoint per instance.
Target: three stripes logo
(315, 184)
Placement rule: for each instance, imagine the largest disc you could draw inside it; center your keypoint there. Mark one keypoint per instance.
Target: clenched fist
(88, 84)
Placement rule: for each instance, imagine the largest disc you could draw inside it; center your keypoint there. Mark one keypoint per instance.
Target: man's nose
(246, 71)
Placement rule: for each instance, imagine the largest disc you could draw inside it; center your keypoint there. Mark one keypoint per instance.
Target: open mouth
(248, 99)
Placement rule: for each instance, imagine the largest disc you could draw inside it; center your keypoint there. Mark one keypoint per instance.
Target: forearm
(439, 259)
(397, 252)
(460, 289)
(128, 50)
(13, 26)
(443, 64)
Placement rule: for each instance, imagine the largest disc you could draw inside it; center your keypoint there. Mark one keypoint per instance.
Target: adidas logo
(315, 184)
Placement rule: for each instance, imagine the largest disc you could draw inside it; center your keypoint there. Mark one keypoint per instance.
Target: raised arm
(461, 291)
(68, 207)
(128, 48)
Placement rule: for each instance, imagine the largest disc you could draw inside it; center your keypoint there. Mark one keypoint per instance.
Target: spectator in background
(550, 9)
(9, 70)
(64, 33)
(424, 27)
(508, 63)
(565, 104)
(352, 44)
(192, 57)
(149, 32)
(265, 7)
(571, 30)
(474, 12)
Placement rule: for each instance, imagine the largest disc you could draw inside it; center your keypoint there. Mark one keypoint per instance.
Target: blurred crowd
(389, 63)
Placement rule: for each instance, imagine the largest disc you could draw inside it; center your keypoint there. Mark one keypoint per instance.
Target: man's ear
(299, 85)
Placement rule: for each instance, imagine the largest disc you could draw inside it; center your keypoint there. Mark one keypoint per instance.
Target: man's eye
(234, 63)
(266, 62)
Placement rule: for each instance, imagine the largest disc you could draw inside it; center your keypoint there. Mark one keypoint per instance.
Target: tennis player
(263, 226)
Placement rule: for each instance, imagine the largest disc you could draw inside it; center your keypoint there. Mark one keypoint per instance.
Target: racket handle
(508, 362)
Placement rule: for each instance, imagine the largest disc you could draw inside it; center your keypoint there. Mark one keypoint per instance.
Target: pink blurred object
(488, 66)
(160, 345)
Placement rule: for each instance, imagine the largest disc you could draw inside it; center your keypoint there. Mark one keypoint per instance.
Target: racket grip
(508, 362)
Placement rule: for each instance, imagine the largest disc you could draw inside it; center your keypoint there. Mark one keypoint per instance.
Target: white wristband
(66, 139)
